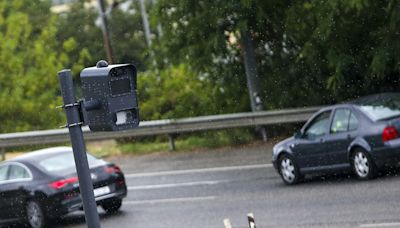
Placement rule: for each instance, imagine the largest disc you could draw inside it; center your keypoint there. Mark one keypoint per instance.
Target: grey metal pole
(106, 33)
(79, 148)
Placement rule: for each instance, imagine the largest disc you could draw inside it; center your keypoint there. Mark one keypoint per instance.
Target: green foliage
(36, 44)
(29, 62)
(353, 43)
(207, 34)
(309, 52)
(175, 92)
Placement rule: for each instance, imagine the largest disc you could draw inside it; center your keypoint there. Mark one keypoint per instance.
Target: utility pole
(253, 79)
(147, 32)
(146, 26)
(159, 28)
(104, 29)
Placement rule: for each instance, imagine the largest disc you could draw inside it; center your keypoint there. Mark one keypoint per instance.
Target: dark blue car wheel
(363, 166)
(289, 170)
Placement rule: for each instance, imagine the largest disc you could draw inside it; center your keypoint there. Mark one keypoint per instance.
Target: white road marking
(186, 184)
(389, 224)
(205, 170)
(172, 200)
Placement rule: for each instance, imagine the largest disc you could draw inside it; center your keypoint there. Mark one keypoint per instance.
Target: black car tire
(112, 206)
(363, 166)
(289, 170)
(35, 215)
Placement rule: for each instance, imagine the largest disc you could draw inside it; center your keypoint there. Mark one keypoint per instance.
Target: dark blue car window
(318, 126)
(340, 121)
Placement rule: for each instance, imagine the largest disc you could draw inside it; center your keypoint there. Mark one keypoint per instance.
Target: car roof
(332, 107)
(34, 155)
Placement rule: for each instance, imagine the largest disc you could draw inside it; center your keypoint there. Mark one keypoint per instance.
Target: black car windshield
(380, 107)
(64, 163)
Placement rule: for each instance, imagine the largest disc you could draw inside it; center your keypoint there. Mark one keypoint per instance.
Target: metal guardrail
(162, 127)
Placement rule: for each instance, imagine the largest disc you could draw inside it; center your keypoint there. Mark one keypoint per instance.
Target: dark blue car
(360, 136)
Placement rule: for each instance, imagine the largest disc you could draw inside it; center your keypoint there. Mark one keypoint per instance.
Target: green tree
(208, 37)
(126, 35)
(309, 52)
(29, 61)
(351, 45)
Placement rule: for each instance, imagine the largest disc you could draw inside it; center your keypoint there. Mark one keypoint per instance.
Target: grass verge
(191, 142)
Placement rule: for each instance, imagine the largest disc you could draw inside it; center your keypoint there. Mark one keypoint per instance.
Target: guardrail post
(3, 154)
(171, 142)
(264, 134)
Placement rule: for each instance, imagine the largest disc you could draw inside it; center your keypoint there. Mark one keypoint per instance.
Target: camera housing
(110, 101)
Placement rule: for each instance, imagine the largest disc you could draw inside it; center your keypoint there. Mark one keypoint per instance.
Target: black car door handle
(322, 140)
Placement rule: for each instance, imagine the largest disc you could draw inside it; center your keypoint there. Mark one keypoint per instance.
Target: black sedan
(360, 136)
(43, 185)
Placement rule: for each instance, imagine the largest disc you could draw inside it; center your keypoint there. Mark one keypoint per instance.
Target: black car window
(3, 172)
(353, 122)
(18, 172)
(318, 126)
(340, 120)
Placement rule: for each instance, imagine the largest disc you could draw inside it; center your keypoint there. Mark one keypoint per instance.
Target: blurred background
(197, 58)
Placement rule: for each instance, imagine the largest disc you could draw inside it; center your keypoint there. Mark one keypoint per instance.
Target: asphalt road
(201, 189)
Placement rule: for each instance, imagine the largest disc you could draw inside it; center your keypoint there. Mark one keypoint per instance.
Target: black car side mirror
(298, 135)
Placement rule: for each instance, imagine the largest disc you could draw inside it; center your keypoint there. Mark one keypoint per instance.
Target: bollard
(250, 218)
(227, 223)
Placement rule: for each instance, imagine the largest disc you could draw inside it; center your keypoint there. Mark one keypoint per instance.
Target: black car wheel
(363, 166)
(35, 215)
(289, 170)
(112, 206)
